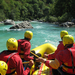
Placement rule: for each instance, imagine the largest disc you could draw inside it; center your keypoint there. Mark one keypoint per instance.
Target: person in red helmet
(59, 47)
(65, 57)
(13, 60)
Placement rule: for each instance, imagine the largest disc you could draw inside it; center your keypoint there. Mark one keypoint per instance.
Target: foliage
(51, 19)
(2, 16)
(62, 6)
(49, 10)
(65, 17)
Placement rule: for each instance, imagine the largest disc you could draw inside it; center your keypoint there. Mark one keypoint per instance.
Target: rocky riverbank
(26, 24)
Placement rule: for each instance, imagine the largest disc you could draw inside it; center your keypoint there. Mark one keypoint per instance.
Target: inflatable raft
(45, 48)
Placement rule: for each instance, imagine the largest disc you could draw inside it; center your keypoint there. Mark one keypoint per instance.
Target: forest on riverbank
(46, 10)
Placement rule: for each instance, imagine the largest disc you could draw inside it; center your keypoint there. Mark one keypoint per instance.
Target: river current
(42, 33)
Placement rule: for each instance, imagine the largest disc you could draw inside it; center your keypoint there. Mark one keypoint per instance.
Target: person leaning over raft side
(13, 60)
(3, 67)
(65, 57)
(24, 46)
(59, 47)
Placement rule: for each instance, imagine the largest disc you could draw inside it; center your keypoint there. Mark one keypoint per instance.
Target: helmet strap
(12, 51)
(27, 39)
(68, 45)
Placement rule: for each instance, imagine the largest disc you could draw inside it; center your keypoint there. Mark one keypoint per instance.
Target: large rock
(0, 22)
(67, 24)
(9, 22)
(23, 25)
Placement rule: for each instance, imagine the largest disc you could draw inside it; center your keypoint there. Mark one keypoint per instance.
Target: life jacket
(61, 46)
(73, 46)
(70, 66)
(20, 50)
(6, 57)
(21, 43)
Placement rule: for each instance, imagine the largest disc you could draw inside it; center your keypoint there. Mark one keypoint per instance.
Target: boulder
(23, 25)
(9, 22)
(67, 24)
(1, 22)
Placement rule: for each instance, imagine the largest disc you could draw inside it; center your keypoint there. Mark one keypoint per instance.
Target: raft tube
(45, 48)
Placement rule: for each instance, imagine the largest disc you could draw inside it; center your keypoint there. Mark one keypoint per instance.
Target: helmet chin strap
(27, 39)
(68, 45)
(12, 50)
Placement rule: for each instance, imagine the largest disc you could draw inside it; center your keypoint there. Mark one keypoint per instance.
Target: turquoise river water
(42, 33)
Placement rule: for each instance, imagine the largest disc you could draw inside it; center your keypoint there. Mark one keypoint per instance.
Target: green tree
(46, 11)
(62, 6)
(41, 5)
(2, 15)
(73, 8)
(12, 5)
(30, 10)
(23, 13)
(36, 9)
(49, 1)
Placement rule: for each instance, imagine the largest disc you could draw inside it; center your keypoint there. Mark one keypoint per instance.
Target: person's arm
(62, 57)
(49, 63)
(52, 63)
(31, 62)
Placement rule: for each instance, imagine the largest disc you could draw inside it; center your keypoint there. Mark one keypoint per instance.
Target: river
(42, 33)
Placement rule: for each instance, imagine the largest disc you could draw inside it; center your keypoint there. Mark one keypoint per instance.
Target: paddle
(60, 71)
(28, 61)
(25, 62)
(34, 54)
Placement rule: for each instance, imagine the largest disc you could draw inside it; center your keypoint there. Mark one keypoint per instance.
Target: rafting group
(18, 59)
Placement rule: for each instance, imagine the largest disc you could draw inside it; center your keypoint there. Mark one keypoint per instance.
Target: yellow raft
(44, 70)
(45, 48)
(48, 48)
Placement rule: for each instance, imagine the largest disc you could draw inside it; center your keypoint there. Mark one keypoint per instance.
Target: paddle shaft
(28, 61)
(25, 62)
(60, 71)
(34, 54)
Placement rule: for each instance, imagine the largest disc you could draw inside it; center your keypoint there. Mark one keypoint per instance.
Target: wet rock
(9, 22)
(67, 24)
(23, 25)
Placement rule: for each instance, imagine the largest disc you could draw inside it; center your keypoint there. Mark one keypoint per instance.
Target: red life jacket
(73, 46)
(71, 62)
(20, 41)
(5, 57)
(59, 48)
(21, 44)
